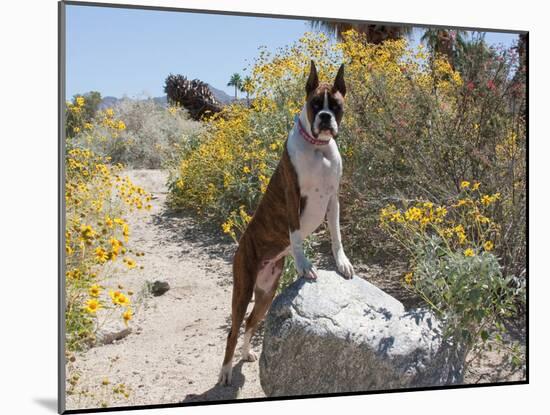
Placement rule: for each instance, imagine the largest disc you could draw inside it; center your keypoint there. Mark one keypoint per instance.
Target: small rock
(159, 288)
(112, 332)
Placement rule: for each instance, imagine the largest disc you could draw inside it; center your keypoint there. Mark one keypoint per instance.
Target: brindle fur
(266, 236)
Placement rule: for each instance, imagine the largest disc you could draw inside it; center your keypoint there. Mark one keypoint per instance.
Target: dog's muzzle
(325, 123)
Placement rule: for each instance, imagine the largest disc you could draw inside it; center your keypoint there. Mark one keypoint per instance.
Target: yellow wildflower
(486, 200)
(227, 226)
(115, 244)
(465, 184)
(101, 255)
(125, 232)
(94, 290)
(114, 296)
(127, 315)
(92, 305)
(488, 246)
(413, 214)
(441, 211)
(397, 217)
(123, 300)
(469, 252)
(108, 222)
(409, 278)
(130, 263)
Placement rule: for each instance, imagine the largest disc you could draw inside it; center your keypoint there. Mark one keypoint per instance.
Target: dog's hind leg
(266, 286)
(243, 285)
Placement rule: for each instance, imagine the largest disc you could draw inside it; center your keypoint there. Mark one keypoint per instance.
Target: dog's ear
(339, 83)
(313, 79)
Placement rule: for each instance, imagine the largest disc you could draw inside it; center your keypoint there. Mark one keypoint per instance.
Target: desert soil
(176, 346)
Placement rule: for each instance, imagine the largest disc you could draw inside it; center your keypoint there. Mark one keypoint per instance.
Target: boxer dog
(302, 190)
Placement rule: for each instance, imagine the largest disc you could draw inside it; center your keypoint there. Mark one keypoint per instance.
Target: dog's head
(325, 104)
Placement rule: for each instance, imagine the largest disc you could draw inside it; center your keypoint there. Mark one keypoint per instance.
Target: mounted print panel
(277, 206)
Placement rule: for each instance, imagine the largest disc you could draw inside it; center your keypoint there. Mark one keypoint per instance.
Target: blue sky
(130, 52)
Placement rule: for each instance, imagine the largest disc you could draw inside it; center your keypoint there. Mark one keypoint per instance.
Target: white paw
(343, 264)
(225, 375)
(250, 356)
(305, 269)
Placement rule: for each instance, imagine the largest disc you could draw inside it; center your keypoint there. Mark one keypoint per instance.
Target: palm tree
(235, 81)
(374, 33)
(445, 42)
(246, 87)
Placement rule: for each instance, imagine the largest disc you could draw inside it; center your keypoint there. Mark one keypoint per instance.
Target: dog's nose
(324, 117)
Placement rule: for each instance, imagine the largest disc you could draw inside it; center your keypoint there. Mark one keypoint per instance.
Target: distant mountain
(108, 102)
(163, 101)
(221, 96)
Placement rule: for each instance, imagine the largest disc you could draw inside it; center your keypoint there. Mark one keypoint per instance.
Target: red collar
(308, 137)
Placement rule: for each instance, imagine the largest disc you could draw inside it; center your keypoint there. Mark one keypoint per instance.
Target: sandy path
(175, 350)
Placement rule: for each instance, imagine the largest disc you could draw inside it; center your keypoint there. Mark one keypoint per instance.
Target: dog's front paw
(344, 265)
(305, 269)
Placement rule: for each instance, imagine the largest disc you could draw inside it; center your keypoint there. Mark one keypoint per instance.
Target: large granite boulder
(335, 335)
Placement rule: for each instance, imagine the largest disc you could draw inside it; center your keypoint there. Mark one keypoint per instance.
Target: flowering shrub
(453, 267)
(97, 199)
(464, 225)
(416, 128)
(80, 111)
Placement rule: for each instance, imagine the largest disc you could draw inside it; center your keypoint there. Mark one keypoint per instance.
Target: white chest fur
(318, 168)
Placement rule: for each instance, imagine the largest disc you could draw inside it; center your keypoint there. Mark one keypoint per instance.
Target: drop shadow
(48, 403)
